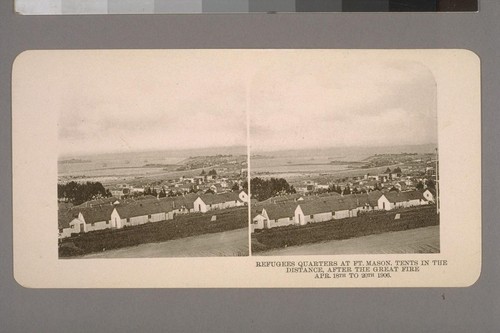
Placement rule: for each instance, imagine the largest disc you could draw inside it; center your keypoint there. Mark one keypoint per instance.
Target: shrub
(367, 224)
(183, 225)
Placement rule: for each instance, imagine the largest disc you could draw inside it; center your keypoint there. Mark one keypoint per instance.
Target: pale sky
(321, 101)
(147, 101)
(123, 101)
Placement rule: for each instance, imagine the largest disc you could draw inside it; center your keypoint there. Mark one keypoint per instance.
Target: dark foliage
(363, 225)
(183, 225)
(263, 189)
(78, 193)
(430, 184)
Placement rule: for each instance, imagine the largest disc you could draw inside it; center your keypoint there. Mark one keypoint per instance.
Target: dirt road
(421, 240)
(228, 243)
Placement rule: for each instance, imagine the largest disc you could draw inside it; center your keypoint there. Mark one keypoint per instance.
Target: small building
(243, 196)
(258, 222)
(84, 219)
(207, 202)
(278, 215)
(310, 211)
(392, 200)
(65, 219)
(430, 195)
(137, 213)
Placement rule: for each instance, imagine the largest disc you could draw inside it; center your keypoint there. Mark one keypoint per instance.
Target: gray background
(325, 310)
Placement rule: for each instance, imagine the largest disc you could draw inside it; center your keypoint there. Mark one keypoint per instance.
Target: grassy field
(368, 224)
(231, 243)
(181, 227)
(420, 240)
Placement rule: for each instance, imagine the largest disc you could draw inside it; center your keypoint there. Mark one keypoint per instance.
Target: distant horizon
(166, 150)
(347, 147)
(233, 150)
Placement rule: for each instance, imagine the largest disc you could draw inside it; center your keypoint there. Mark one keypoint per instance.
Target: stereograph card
(246, 168)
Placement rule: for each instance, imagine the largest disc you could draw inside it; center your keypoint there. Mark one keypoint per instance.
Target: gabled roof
(343, 203)
(394, 197)
(129, 208)
(137, 199)
(140, 208)
(177, 202)
(98, 202)
(403, 196)
(280, 210)
(97, 214)
(414, 195)
(373, 197)
(312, 207)
(211, 199)
(186, 201)
(433, 191)
(283, 198)
(90, 214)
(338, 203)
(328, 194)
(64, 217)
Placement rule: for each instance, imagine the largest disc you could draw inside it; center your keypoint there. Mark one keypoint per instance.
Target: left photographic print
(152, 160)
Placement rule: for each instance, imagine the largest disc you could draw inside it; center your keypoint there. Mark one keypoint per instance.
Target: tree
(347, 190)
(430, 184)
(263, 189)
(154, 193)
(235, 187)
(162, 193)
(78, 193)
(212, 172)
(397, 170)
(202, 172)
(388, 170)
(420, 185)
(209, 191)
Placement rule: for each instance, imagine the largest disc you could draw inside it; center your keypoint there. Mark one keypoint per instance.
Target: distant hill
(350, 151)
(74, 160)
(179, 153)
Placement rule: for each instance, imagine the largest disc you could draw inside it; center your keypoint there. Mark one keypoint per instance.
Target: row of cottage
(301, 210)
(112, 213)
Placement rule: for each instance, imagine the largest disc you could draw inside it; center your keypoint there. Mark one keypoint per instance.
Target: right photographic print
(344, 154)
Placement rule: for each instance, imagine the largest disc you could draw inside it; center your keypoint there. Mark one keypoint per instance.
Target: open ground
(228, 243)
(421, 240)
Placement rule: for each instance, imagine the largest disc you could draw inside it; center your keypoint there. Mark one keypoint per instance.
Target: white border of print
(34, 127)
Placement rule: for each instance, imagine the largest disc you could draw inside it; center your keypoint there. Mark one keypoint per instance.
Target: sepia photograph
(248, 168)
(152, 159)
(299, 168)
(344, 156)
